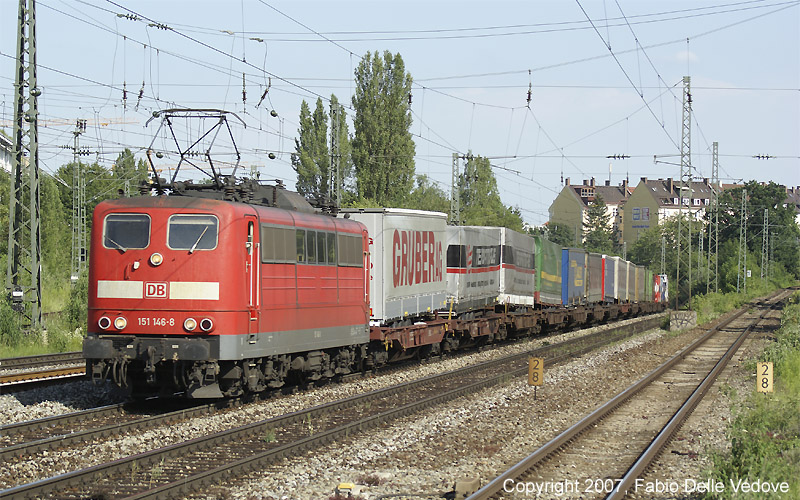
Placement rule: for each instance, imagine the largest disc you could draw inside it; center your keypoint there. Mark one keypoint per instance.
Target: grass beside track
(765, 432)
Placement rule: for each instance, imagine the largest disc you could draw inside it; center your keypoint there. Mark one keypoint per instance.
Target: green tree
(56, 248)
(382, 149)
(128, 173)
(597, 227)
(783, 230)
(427, 196)
(480, 199)
(561, 234)
(310, 159)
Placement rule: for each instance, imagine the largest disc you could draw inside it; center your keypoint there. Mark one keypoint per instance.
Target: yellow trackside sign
(764, 377)
(535, 371)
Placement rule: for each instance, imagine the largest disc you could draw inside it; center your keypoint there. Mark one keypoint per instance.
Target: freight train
(208, 293)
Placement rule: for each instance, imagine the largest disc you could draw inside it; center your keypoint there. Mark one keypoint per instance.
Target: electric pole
(765, 245)
(337, 112)
(23, 277)
(685, 189)
(713, 219)
(741, 274)
(455, 198)
(77, 231)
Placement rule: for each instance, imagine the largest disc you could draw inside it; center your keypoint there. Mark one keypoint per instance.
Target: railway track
(26, 438)
(26, 372)
(38, 360)
(182, 467)
(614, 445)
(27, 380)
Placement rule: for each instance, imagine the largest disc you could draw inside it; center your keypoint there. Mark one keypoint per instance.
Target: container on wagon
(594, 278)
(473, 266)
(407, 249)
(573, 272)
(611, 271)
(547, 281)
(517, 267)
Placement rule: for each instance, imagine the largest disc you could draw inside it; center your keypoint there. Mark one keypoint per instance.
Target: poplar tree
(382, 148)
(311, 159)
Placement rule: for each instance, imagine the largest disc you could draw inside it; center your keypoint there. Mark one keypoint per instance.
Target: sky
(605, 79)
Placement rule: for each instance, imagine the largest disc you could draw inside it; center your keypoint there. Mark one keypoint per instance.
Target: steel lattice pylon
(712, 283)
(23, 278)
(684, 240)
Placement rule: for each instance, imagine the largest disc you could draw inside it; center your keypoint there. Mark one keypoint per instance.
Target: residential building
(572, 203)
(793, 198)
(653, 200)
(6, 153)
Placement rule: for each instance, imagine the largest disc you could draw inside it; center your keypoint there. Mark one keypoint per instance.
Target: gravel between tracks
(42, 402)
(479, 437)
(55, 400)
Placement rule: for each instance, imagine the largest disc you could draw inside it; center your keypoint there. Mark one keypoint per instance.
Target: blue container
(573, 276)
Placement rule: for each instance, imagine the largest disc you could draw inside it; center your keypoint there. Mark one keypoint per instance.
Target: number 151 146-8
(156, 321)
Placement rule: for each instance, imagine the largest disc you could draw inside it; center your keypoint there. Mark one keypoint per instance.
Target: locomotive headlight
(156, 259)
(104, 323)
(120, 323)
(206, 324)
(190, 324)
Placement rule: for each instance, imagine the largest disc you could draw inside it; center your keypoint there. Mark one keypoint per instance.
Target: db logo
(157, 290)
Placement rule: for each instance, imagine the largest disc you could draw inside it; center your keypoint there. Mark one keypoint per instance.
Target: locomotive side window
(277, 244)
(124, 231)
(311, 247)
(350, 253)
(331, 248)
(322, 255)
(300, 238)
(192, 232)
(319, 247)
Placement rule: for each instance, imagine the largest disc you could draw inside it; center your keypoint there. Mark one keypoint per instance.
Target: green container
(547, 284)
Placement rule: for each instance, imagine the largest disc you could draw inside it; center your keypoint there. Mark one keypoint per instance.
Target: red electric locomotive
(215, 292)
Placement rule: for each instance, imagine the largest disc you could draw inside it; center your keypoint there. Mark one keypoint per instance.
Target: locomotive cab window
(124, 231)
(192, 232)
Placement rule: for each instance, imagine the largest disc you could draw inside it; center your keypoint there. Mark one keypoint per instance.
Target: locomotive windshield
(124, 231)
(192, 232)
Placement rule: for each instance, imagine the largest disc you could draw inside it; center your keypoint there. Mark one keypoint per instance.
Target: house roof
(666, 191)
(589, 190)
(793, 197)
(5, 142)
